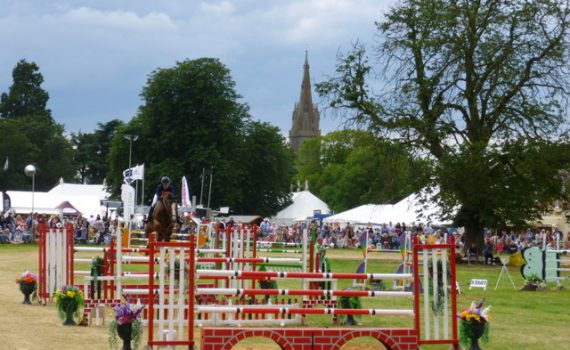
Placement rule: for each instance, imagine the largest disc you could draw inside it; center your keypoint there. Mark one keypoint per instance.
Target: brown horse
(163, 218)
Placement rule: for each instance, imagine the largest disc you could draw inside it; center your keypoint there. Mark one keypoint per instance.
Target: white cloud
(99, 53)
(220, 8)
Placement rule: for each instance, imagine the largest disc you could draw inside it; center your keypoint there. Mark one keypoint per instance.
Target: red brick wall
(309, 338)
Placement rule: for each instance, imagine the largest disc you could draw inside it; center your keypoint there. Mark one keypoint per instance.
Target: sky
(96, 55)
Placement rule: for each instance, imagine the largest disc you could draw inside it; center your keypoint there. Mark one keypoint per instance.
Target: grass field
(520, 320)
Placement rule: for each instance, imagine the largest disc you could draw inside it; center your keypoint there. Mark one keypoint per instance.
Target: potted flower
(96, 271)
(474, 325)
(348, 303)
(68, 301)
(126, 326)
(532, 282)
(28, 286)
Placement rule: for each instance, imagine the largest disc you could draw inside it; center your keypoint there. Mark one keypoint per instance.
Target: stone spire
(306, 117)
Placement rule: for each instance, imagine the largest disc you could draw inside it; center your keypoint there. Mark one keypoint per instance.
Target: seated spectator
(500, 246)
(5, 236)
(488, 252)
(472, 252)
(511, 247)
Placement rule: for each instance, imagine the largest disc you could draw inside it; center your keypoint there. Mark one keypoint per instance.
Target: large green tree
(30, 133)
(191, 120)
(349, 168)
(25, 97)
(91, 152)
(480, 86)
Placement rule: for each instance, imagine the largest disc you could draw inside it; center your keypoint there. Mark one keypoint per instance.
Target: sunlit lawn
(520, 320)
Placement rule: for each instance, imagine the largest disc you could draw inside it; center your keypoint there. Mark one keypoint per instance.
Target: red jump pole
(151, 305)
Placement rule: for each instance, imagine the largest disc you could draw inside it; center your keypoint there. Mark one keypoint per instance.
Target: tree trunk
(474, 235)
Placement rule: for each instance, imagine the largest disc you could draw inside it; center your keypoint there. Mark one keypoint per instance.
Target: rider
(163, 186)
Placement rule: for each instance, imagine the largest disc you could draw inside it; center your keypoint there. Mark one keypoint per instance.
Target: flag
(314, 235)
(138, 172)
(134, 173)
(361, 267)
(6, 202)
(364, 244)
(185, 193)
(6, 164)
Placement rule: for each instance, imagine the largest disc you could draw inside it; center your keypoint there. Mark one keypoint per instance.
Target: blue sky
(96, 55)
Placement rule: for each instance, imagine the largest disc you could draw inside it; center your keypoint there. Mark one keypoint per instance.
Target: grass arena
(520, 320)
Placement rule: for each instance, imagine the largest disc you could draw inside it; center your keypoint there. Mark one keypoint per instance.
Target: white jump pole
(119, 259)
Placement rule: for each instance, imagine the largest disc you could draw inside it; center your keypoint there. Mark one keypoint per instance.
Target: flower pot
(477, 330)
(69, 319)
(125, 332)
(27, 289)
(69, 307)
(530, 286)
(350, 321)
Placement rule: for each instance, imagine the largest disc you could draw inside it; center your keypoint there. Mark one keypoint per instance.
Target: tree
(91, 152)
(191, 120)
(31, 134)
(479, 85)
(26, 96)
(268, 169)
(349, 168)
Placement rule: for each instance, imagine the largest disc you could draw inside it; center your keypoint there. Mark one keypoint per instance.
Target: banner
(128, 198)
(6, 202)
(185, 193)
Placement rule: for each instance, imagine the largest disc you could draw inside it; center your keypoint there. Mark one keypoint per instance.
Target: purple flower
(125, 314)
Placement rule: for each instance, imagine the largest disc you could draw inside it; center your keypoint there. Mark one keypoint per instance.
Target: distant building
(306, 117)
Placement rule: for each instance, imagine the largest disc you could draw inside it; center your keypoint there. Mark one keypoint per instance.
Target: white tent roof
(86, 198)
(364, 214)
(409, 210)
(303, 206)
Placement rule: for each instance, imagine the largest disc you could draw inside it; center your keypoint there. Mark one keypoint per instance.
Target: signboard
(128, 198)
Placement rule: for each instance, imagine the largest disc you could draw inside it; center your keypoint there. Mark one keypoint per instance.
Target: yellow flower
(70, 294)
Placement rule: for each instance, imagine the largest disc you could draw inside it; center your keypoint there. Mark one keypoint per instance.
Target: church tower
(306, 118)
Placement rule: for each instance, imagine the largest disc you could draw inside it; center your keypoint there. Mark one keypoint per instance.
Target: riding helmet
(165, 180)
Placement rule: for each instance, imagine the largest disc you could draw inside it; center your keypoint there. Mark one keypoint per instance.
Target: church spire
(306, 118)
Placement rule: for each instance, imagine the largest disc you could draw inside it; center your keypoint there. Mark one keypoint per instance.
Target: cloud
(96, 55)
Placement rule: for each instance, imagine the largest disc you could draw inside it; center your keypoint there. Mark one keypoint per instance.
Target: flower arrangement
(27, 277)
(474, 324)
(127, 326)
(348, 303)
(68, 301)
(28, 286)
(533, 282)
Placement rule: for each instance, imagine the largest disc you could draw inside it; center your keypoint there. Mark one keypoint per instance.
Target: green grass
(520, 320)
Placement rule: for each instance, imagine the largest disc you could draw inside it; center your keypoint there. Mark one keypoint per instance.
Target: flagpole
(366, 252)
(142, 195)
(202, 187)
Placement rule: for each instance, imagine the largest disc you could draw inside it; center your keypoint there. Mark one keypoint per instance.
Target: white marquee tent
(304, 205)
(85, 198)
(409, 210)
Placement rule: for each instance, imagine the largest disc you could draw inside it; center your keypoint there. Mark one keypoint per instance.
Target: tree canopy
(91, 152)
(348, 168)
(482, 87)
(34, 136)
(192, 119)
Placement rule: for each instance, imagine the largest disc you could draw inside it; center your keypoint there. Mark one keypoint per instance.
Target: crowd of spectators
(15, 229)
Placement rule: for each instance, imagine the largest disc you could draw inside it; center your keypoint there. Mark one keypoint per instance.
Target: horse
(163, 218)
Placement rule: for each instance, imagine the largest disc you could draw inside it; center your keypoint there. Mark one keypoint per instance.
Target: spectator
(488, 252)
(5, 236)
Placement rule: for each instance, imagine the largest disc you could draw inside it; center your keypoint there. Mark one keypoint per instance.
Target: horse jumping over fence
(163, 218)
